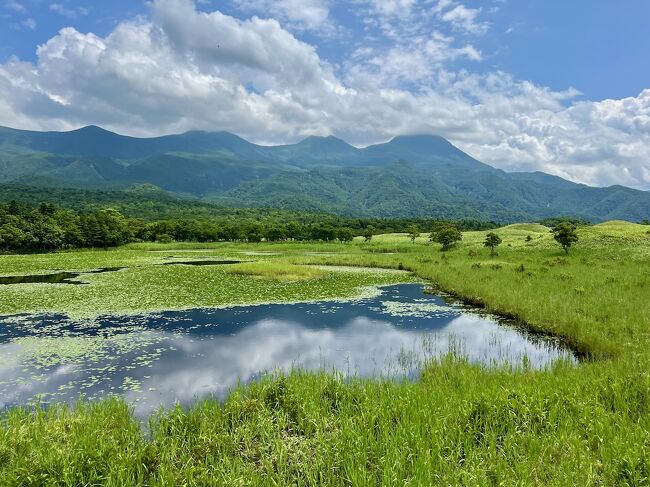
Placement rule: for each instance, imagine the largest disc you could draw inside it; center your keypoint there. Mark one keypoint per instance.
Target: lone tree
(367, 234)
(492, 241)
(565, 234)
(446, 236)
(414, 232)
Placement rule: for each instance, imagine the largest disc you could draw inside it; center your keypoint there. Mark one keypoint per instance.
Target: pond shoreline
(392, 334)
(581, 351)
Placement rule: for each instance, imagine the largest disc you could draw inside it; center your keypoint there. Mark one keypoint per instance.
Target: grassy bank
(459, 424)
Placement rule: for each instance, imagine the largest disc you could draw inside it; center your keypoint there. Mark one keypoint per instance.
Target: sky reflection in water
(182, 355)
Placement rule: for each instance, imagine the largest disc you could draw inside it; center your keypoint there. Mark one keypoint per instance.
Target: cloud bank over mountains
(183, 68)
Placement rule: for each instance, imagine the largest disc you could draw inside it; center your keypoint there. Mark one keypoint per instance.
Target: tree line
(47, 227)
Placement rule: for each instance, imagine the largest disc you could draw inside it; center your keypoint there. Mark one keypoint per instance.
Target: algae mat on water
(149, 283)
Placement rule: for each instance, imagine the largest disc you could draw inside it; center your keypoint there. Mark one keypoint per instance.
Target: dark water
(63, 277)
(180, 356)
(204, 262)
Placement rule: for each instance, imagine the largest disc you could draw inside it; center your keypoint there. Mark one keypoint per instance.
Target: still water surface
(178, 356)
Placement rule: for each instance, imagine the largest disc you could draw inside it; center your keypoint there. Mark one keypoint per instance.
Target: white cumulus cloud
(309, 15)
(180, 69)
(464, 18)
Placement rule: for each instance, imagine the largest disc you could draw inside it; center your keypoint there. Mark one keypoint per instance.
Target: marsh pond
(179, 356)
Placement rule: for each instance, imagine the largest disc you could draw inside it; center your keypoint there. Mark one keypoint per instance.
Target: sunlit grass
(276, 270)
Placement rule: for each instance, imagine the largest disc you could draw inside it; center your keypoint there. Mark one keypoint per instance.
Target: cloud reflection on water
(206, 352)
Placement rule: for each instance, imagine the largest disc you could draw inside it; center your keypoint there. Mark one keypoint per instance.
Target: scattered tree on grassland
(446, 236)
(492, 241)
(565, 234)
(413, 232)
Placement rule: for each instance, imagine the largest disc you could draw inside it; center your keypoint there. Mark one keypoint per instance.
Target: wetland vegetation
(460, 422)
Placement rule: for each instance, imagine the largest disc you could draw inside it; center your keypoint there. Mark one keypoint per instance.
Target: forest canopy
(46, 227)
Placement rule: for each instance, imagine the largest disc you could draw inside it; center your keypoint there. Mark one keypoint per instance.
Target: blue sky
(521, 84)
(599, 47)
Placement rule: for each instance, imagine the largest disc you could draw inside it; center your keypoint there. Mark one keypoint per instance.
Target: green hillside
(409, 176)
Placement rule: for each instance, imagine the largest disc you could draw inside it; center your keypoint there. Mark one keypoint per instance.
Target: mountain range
(409, 176)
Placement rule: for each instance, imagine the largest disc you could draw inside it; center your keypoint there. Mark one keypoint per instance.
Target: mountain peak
(417, 137)
(321, 146)
(222, 136)
(92, 129)
(416, 144)
(419, 142)
(424, 150)
(328, 141)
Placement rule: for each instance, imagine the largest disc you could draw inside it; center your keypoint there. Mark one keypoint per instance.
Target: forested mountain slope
(419, 175)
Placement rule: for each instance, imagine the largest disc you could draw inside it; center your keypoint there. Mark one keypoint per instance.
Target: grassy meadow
(459, 424)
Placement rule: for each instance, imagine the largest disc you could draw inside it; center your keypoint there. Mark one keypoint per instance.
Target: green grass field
(459, 424)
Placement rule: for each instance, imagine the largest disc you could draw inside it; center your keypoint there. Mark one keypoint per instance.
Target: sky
(524, 85)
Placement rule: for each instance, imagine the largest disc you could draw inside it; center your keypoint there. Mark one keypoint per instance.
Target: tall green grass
(275, 270)
(460, 424)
